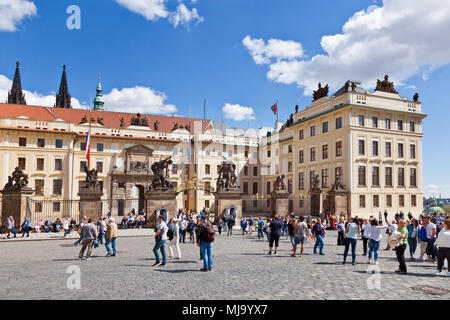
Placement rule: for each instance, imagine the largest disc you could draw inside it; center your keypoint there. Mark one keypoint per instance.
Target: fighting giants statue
(227, 176)
(17, 179)
(91, 177)
(385, 85)
(315, 187)
(161, 171)
(278, 184)
(337, 185)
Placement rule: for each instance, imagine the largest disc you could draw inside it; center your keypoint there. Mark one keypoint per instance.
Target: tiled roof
(110, 119)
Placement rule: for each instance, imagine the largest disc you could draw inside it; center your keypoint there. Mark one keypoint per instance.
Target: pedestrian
(400, 249)
(244, 226)
(220, 226)
(275, 233)
(26, 227)
(111, 238)
(366, 231)
(443, 243)
(205, 239)
(340, 229)
(300, 236)
(230, 224)
(385, 216)
(351, 237)
(319, 232)
(10, 225)
(375, 239)
(251, 224)
(380, 218)
(392, 228)
(160, 241)
(292, 226)
(174, 239)
(182, 225)
(101, 229)
(423, 240)
(260, 226)
(413, 236)
(82, 222)
(431, 238)
(88, 234)
(66, 227)
(267, 229)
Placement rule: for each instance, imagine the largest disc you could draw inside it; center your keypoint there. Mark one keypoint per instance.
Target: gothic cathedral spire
(63, 97)
(98, 101)
(16, 96)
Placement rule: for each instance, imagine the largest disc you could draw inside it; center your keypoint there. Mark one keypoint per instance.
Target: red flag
(275, 108)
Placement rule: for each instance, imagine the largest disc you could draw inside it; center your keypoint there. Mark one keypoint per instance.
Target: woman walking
(413, 236)
(351, 237)
(400, 250)
(174, 239)
(443, 243)
(292, 226)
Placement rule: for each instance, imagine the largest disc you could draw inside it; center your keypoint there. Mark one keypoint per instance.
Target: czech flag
(88, 147)
(275, 108)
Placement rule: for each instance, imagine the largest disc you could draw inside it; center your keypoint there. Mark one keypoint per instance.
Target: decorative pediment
(139, 149)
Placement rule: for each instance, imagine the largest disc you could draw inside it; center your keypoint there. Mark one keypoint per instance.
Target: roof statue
(84, 120)
(385, 85)
(320, 92)
(139, 121)
(416, 97)
(122, 123)
(156, 125)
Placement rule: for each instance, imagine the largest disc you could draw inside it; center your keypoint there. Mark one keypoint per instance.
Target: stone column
(227, 199)
(90, 203)
(156, 200)
(14, 203)
(279, 203)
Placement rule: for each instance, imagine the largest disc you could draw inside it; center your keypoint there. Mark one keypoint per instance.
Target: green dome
(441, 203)
(435, 210)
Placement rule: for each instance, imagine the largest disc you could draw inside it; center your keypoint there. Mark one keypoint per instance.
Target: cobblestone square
(242, 270)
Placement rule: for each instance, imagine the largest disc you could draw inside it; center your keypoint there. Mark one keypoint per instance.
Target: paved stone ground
(242, 270)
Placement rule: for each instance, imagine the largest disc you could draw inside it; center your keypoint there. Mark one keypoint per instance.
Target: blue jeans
(113, 243)
(13, 231)
(374, 246)
(292, 240)
(319, 242)
(412, 243)
(27, 231)
(161, 245)
(206, 250)
(260, 233)
(352, 242)
(100, 237)
(431, 248)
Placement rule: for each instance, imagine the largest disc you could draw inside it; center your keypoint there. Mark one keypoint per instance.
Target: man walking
(89, 234)
(110, 237)
(319, 233)
(182, 224)
(431, 237)
(275, 234)
(300, 237)
(260, 225)
(10, 225)
(26, 227)
(231, 221)
(160, 242)
(205, 239)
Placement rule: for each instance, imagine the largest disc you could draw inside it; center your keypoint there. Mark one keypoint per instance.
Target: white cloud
(401, 38)
(35, 98)
(138, 99)
(263, 53)
(12, 12)
(237, 112)
(184, 16)
(154, 9)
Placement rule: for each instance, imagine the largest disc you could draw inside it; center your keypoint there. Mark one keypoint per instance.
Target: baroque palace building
(370, 142)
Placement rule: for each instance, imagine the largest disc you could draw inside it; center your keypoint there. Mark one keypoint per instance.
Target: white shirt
(66, 224)
(366, 229)
(163, 227)
(375, 232)
(443, 240)
(393, 227)
(430, 228)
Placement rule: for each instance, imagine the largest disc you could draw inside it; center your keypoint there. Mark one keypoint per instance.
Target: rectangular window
(99, 166)
(338, 148)
(339, 174)
(58, 143)
(324, 127)
(324, 178)
(255, 187)
(246, 153)
(22, 142)
(387, 123)
(255, 171)
(207, 187)
(361, 175)
(268, 187)
(376, 201)
(361, 120)
(400, 125)
(325, 151)
(401, 200)
(361, 148)
(57, 186)
(41, 142)
(245, 170)
(22, 163)
(301, 157)
(40, 164)
(39, 187)
(413, 200)
(401, 177)
(290, 148)
(313, 131)
(268, 153)
(58, 164)
(313, 154)
(375, 122)
(388, 176)
(174, 169)
(301, 134)
(362, 201)
(388, 200)
(56, 206)
(400, 150)
(206, 203)
(412, 151)
(375, 176)
(301, 181)
(338, 123)
(100, 147)
(207, 169)
(388, 149)
(312, 177)
(83, 146)
(413, 177)
(412, 126)
(375, 148)
(301, 203)
(82, 164)
(290, 166)
(289, 186)
(38, 207)
(245, 187)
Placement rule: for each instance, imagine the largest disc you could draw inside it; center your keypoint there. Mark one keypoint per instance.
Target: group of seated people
(133, 221)
(49, 226)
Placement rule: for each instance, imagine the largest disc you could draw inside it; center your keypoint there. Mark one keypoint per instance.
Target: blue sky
(156, 59)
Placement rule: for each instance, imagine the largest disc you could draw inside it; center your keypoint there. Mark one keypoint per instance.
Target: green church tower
(98, 101)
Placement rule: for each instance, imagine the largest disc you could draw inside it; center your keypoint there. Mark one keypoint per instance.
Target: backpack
(170, 232)
(209, 234)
